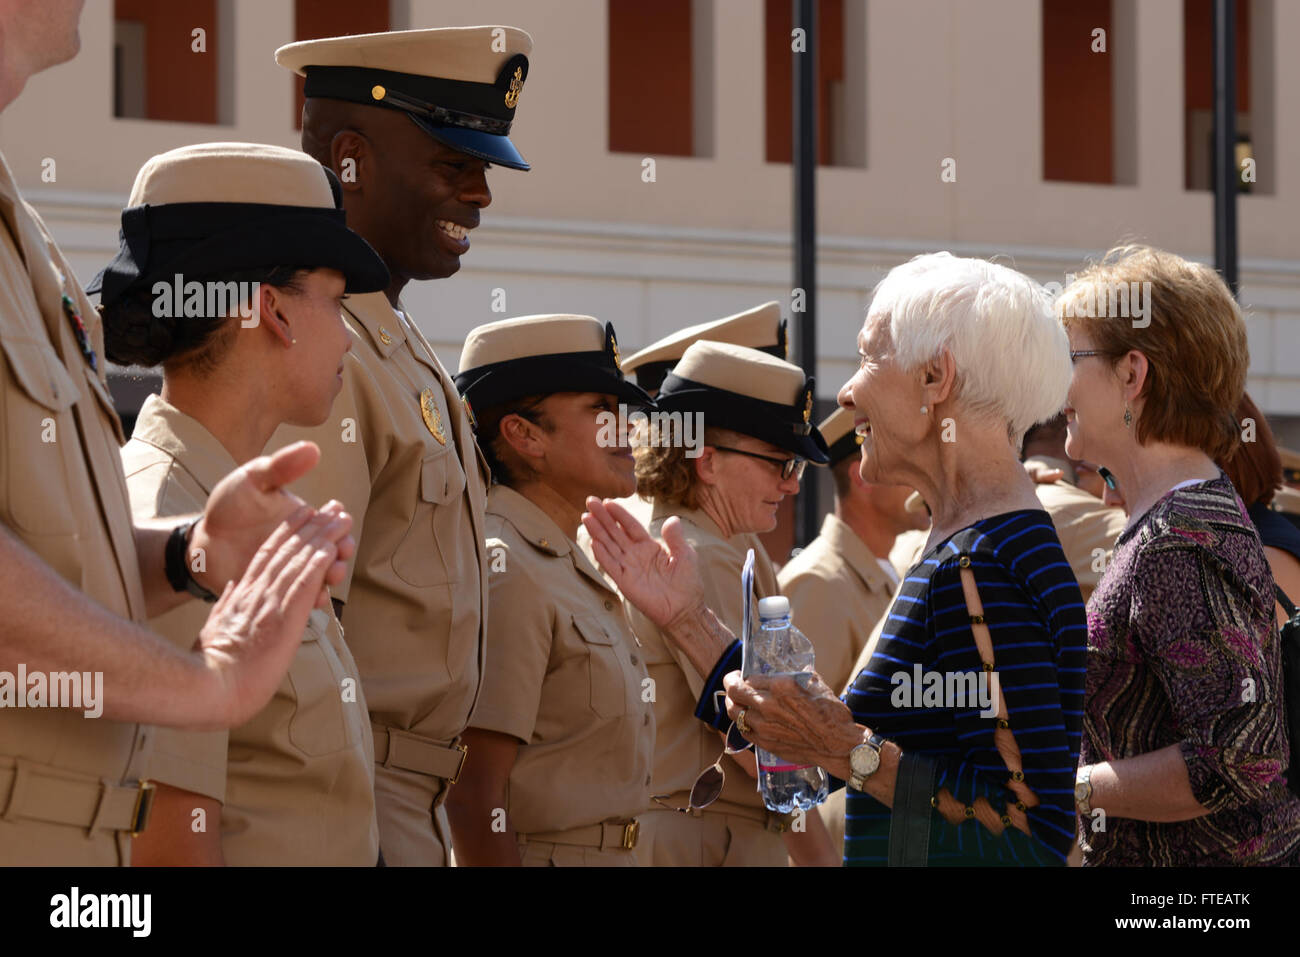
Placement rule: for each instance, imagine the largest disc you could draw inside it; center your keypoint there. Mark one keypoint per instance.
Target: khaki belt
(776, 823)
(406, 751)
(36, 793)
(619, 835)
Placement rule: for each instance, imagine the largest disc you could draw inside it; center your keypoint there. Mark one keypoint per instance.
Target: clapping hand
(662, 579)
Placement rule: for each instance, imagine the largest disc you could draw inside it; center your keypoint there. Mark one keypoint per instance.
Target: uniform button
(647, 779)
(647, 718)
(635, 660)
(609, 605)
(544, 543)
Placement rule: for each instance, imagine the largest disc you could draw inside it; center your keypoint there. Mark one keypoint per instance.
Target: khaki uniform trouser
(413, 829)
(722, 835)
(53, 816)
(599, 845)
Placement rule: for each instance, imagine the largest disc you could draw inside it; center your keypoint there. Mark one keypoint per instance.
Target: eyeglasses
(789, 467)
(1084, 353)
(708, 786)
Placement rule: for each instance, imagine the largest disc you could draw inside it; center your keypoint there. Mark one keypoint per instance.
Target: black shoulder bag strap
(909, 824)
(1290, 640)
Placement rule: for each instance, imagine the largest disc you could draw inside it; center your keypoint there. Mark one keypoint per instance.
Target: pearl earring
(925, 410)
(1128, 417)
(293, 342)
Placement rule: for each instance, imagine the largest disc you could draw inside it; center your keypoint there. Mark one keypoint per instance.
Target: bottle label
(782, 767)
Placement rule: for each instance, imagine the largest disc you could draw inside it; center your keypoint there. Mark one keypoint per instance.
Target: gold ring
(740, 722)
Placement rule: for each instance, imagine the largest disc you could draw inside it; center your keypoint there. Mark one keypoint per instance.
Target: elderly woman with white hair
(960, 738)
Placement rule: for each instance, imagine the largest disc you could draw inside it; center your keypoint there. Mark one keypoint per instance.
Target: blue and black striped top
(1038, 627)
(1039, 632)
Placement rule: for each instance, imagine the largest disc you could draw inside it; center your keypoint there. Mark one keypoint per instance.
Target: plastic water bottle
(779, 648)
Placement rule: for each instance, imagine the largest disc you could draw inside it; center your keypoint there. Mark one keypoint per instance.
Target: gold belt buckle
(630, 834)
(143, 806)
(464, 750)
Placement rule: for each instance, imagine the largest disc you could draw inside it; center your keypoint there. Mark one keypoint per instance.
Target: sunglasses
(789, 467)
(708, 786)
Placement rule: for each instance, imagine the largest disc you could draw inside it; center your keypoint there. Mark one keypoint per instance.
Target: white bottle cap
(778, 606)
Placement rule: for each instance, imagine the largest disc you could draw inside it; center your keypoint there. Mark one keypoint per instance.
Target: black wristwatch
(176, 564)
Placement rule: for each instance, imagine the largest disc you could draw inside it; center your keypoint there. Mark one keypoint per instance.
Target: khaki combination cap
(759, 328)
(214, 208)
(837, 429)
(539, 355)
(747, 391)
(461, 85)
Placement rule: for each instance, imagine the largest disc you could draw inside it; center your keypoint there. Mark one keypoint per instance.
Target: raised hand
(246, 507)
(661, 579)
(256, 626)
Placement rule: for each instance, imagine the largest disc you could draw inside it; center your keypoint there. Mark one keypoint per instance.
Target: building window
(316, 19)
(1254, 94)
(660, 77)
(841, 81)
(163, 69)
(1081, 46)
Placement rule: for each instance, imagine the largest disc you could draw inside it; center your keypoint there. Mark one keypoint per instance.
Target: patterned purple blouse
(1182, 650)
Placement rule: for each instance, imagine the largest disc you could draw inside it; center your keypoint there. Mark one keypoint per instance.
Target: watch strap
(176, 565)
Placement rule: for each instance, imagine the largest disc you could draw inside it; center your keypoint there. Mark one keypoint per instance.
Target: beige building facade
(930, 86)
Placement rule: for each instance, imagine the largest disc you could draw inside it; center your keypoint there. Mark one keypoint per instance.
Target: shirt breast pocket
(429, 551)
(607, 670)
(318, 725)
(39, 429)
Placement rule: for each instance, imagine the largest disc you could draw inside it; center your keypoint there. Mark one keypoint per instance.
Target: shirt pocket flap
(40, 373)
(441, 479)
(592, 631)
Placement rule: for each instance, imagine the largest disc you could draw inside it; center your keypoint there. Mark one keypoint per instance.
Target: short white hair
(1011, 354)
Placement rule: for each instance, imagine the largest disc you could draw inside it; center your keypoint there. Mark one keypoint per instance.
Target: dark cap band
(209, 239)
(498, 382)
(785, 426)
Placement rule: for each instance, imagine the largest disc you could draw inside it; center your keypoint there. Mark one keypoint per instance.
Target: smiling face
(418, 199)
(885, 402)
(1094, 408)
(576, 463)
(748, 491)
(313, 366)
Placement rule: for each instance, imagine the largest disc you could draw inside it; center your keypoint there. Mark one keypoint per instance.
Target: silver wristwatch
(1083, 790)
(864, 760)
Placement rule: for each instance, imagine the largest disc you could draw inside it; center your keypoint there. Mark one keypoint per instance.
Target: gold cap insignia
(432, 417)
(807, 407)
(516, 84)
(378, 92)
(384, 337)
(469, 412)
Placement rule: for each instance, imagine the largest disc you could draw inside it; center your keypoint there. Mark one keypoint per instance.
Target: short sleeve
(519, 636)
(190, 760)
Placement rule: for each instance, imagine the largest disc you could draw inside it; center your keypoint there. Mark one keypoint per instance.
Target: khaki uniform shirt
(1087, 527)
(837, 592)
(399, 453)
(565, 675)
(297, 781)
(62, 495)
(735, 829)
